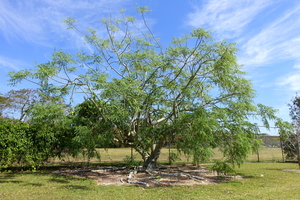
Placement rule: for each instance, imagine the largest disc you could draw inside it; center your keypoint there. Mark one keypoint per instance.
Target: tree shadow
(76, 187)
(34, 184)
(246, 176)
(65, 181)
(7, 181)
(8, 178)
(59, 179)
(273, 169)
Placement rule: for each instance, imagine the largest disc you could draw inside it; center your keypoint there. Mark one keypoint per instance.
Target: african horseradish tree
(143, 94)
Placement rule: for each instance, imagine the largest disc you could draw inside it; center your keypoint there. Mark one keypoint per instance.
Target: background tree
(4, 101)
(193, 90)
(90, 131)
(290, 147)
(20, 102)
(295, 115)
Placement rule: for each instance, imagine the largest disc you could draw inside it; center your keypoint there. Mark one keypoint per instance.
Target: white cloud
(277, 41)
(13, 23)
(297, 66)
(11, 64)
(290, 81)
(6, 65)
(266, 31)
(40, 21)
(227, 18)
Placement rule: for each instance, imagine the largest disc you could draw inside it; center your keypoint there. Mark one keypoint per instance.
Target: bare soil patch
(165, 176)
(292, 170)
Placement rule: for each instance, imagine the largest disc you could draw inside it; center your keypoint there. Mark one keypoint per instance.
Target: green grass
(274, 184)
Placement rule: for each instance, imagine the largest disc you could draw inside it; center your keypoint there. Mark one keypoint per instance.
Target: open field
(118, 155)
(261, 181)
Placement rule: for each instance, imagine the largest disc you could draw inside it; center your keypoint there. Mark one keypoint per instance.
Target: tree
(16, 103)
(3, 104)
(193, 91)
(87, 128)
(20, 101)
(295, 115)
(290, 147)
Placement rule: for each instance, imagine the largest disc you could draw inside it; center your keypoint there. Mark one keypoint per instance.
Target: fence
(115, 155)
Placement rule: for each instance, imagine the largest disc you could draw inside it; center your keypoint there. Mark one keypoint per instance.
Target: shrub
(222, 168)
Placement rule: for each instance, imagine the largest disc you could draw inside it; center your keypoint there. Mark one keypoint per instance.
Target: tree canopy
(142, 94)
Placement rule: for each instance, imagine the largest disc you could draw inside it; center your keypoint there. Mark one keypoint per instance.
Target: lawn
(261, 181)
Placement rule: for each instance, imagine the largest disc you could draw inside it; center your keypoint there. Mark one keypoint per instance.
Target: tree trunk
(282, 152)
(298, 148)
(150, 161)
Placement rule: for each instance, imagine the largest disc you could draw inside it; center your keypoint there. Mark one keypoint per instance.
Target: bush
(222, 168)
(31, 144)
(15, 146)
(131, 162)
(290, 146)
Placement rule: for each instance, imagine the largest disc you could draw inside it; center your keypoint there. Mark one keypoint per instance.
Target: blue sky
(267, 33)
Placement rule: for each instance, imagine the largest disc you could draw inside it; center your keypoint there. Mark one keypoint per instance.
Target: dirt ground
(164, 176)
(292, 170)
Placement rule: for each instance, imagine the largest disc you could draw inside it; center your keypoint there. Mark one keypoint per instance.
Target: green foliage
(290, 147)
(48, 135)
(295, 110)
(131, 162)
(91, 130)
(15, 146)
(173, 157)
(54, 130)
(222, 168)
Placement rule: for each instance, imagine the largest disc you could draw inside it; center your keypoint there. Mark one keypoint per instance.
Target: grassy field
(261, 181)
(118, 155)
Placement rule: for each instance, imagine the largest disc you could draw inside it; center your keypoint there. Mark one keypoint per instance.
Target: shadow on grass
(8, 178)
(273, 169)
(4, 181)
(251, 177)
(76, 187)
(246, 176)
(66, 180)
(34, 184)
(8, 175)
(59, 179)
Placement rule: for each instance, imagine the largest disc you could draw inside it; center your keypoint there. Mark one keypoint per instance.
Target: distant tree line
(270, 140)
